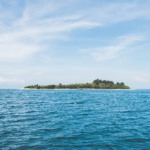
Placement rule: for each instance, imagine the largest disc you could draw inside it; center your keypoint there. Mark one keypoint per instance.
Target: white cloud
(14, 47)
(10, 80)
(24, 38)
(142, 79)
(112, 51)
(106, 53)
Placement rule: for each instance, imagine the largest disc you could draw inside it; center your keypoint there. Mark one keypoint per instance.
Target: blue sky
(68, 41)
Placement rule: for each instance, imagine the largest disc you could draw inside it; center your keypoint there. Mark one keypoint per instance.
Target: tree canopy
(96, 84)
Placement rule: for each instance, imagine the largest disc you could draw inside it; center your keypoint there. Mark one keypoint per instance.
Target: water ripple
(74, 119)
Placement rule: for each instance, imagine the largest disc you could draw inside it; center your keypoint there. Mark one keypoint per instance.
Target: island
(96, 84)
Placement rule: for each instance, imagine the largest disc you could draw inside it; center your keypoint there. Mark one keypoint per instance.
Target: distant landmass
(96, 84)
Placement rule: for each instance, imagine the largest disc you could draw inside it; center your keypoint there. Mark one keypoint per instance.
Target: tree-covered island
(96, 84)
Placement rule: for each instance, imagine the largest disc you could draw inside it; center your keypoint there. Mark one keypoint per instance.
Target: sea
(74, 119)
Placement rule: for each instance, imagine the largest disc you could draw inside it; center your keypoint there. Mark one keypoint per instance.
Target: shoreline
(75, 89)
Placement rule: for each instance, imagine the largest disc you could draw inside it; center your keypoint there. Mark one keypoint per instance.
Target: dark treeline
(96, 84)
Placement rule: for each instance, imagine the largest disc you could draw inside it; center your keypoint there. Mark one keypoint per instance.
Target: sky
(74, 41)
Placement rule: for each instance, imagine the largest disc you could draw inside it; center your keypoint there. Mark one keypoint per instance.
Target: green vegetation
(96, 84)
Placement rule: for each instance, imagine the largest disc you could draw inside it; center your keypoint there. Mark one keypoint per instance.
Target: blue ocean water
(74, 119)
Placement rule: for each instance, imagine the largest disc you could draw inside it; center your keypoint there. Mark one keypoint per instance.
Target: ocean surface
(74, 119)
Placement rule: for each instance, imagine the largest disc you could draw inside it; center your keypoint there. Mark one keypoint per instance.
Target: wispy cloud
(113, 51)
(10, 80)
(142, 79)
(24, 37)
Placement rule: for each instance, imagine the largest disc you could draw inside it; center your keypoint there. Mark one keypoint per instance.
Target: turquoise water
(74, 119)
